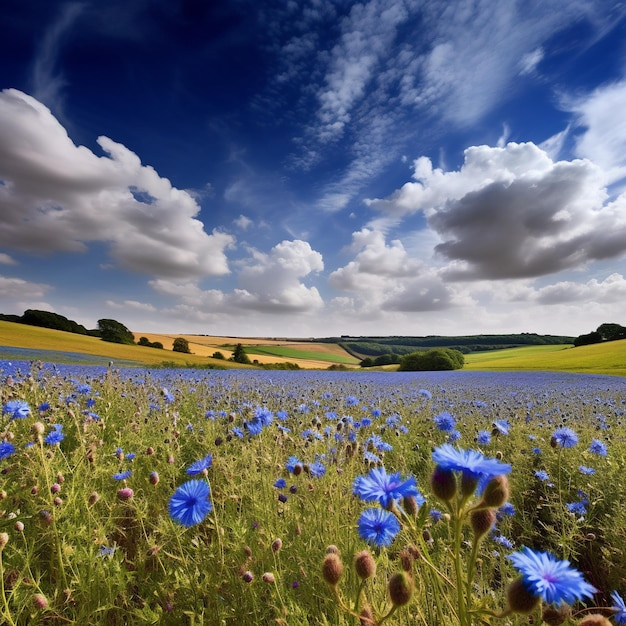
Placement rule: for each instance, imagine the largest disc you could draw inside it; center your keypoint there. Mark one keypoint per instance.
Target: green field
(293, 353)
(606, 358)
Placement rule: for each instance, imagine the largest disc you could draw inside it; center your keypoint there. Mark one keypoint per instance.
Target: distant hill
(377, 346)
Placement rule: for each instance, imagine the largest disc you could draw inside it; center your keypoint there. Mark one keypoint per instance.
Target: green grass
(606, 358)
(293, 353)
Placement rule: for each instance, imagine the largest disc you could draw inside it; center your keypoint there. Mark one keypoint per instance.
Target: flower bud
(332, 549)
(154, 478)
(400, 588)
(125, 494)
(4, 539)
(496, 492)
(93, 498)
(277, 544)
(406, 560)
(554, 616)
(365, 565)
(38, 428)
(443, 483)
(248, 577)
(520, 600)
(410, 505)
(268, 577)
(469, 482)
(19, 526)
(482, 521)
(40, 601)
(332, 568)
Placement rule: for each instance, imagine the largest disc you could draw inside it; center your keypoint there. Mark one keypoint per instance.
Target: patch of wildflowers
(564, 437)
(200, 466)
(190, 503)
(378, 486)
(552, 580)
(378, 527)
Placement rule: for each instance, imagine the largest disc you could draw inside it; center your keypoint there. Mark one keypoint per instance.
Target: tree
(437, 359)
(611, 332)
(144, 341)
(181, 345)
(115, 332)
(240, 356)
(217, 355)
(588, 339)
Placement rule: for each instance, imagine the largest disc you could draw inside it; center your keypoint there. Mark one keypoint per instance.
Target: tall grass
(82, 548)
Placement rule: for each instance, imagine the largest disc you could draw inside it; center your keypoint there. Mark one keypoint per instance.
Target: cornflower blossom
(577, 508)
(565, 437)
(190, 503)
(502, 427)
(16, 409)
(351, 401)
(470, 462)
(123, 475)
(291, 464)
(317, 469)
(55, 436)
(551, 580)
(6, 449)
(378, 526)
(280, 483)
(378, 486)
(167, 396)
(598, 447)
(483, 438)
(200, 466)
(445, 422)
(378, 444)
(454, 435)
(583, 469)
(619, 607)
(542, 475)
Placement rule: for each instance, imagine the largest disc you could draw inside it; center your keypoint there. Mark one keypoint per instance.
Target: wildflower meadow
(250, 497)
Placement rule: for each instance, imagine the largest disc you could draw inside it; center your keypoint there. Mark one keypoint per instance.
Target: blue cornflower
(425, 393)
(291, 464)
(470, 462)
(378, 526)
(43, 407)
(507, 509)
(445, 422)
(598, 447)
(264, 415)
(200, 466)
(55, 436)
(190, 503)
(542, 475)
(167, 396)
(237, 432)
(123, 475)
(106, 551)
(483, 438)
(83, 388)
(564, 437)
(280, 483)
(577, 508)
(618, 605)
(454, 435)
(317, 469)
(502, 427)
(378, 486)
(370, 457)
(6, 449)
(351, 401)
(16, 409)
(549, 579)
(503, 541)
(583, 469)
(378, 443)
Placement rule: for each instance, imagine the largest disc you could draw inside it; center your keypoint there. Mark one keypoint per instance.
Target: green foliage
(217, 355)
(588, 339)
(438, 359)
(240, 356)
(144, 341)
(181, 345)
(46, 319)
(115, 332)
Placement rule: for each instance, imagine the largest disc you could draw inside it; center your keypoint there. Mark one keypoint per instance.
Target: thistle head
(400, 588)
(332, 568)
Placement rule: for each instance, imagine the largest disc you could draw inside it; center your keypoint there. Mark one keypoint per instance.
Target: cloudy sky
(315, 167)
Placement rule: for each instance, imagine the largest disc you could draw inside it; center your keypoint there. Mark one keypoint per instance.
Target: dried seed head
(277, 544)
(400, 588)
(4, 539)
(332, 568)
(94, 496)
(365, 565)
(520, 600)
(406, 561)
(410, 505)
(595, 619)
(555, 616)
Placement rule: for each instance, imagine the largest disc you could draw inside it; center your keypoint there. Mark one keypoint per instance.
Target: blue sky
(315, 168)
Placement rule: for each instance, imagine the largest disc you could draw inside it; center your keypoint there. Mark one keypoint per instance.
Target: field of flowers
(251, 497)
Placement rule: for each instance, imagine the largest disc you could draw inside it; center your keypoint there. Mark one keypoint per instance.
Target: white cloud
(19, 289)
(59, 197)
(134, 305)
(242, 222)
(611, 290)
(384, 277)
(603, 140)
(529, 62)
(512, 213)
(6, 259)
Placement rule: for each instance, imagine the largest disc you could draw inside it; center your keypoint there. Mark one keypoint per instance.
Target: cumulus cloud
(133, 305)
(19, 289)
(512, 212)
(610, 290)
(268, 283)
(384, 276)
(57, 196)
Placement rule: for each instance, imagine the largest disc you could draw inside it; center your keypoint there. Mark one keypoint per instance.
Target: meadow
(156, 496)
